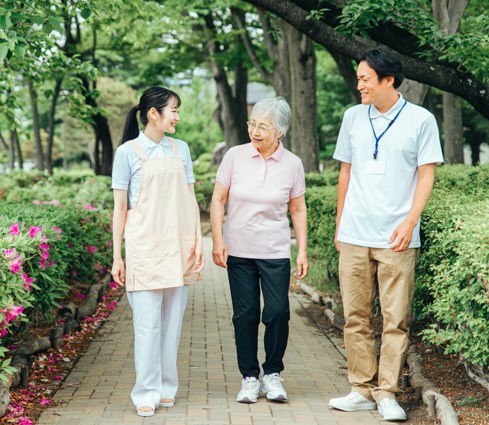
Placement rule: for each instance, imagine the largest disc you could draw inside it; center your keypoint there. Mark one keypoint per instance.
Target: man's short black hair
(384, 63)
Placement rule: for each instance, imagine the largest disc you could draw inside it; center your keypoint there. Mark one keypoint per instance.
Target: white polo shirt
(259, 192)
(126, 171)
(376, 204)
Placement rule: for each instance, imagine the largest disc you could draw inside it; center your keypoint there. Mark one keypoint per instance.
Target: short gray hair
(277, 109)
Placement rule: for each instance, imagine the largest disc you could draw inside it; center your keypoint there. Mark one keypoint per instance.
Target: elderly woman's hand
(220, 253)
(302, 265)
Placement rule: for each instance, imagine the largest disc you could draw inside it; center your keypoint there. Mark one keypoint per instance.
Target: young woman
(163, 243)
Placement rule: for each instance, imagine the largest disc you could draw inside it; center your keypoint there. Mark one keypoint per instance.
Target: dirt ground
(469, 399)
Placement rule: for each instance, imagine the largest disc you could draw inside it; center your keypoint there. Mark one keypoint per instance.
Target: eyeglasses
(261, 128)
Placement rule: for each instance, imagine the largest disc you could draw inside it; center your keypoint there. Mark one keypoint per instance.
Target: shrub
(452, 288)
(50, 238)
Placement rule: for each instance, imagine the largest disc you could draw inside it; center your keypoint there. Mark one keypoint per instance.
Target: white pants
(157, 319)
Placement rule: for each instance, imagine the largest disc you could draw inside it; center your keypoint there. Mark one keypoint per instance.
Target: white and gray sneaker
(250, 390)
(272, 388)
(352, 402)
(390, 410)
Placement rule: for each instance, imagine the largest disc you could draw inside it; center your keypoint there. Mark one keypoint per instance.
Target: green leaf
(39, 20)
(85, 13)
(3, 51)
(56, 23)
(20, 51)
(5, 21)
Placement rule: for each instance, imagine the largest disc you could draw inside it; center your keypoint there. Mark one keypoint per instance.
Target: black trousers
(246, 278)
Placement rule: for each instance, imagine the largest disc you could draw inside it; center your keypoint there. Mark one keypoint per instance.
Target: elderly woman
(258, 180)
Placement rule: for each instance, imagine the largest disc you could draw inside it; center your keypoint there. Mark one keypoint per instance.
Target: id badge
(375, 167)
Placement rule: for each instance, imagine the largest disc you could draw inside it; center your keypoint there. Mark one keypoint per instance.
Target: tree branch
(238, 19)
(442, 76)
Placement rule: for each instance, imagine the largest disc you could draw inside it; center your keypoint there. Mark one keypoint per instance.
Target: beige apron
(161, 229)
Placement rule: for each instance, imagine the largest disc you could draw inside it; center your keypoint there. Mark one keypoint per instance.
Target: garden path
(96, 392)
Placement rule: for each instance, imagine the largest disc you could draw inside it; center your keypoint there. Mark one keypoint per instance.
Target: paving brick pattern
(96, 392)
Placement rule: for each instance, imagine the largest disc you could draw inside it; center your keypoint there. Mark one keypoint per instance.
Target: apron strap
(138, 149)
(174, 147)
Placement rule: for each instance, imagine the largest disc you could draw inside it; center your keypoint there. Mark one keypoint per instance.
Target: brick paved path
(96, 392)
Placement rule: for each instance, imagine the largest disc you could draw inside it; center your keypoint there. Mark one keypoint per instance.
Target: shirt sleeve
(343, 147)
(225, 170)
(121, 169)
(299, 186)
(187, 162)
(429, 146)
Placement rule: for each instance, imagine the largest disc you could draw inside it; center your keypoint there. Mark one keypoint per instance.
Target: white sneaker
(390, 410)
(352, 402)
(250, 390)
(272, 387)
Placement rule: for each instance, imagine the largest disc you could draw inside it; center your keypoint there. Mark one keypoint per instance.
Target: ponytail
(154, 97)
(131, 128)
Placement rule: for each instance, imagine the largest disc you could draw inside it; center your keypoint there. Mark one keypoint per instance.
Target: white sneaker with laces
(390, 410)
(250, 390)
(352, 402)
(272, 388)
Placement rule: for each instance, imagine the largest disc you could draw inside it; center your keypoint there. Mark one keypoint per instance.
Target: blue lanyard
(377, 139)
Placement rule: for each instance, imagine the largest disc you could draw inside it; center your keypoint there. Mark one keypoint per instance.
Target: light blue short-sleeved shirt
(126, 171)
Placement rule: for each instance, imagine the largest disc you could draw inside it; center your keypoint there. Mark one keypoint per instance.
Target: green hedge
(452, 288)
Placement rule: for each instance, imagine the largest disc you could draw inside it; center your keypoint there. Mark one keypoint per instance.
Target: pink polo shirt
(259, 192)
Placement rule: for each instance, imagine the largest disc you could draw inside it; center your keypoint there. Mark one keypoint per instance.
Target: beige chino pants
(359, 269)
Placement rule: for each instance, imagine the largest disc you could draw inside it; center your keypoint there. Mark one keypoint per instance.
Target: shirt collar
(391, 113)
(149, 144)
(277, 155)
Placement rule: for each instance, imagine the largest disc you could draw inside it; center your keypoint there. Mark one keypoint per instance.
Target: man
(388, 150)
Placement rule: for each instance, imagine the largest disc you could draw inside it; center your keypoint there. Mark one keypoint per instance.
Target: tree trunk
(51, 124)
(11, 151)
(18, 151)
(302, 65)
(449, 13)
(101, 165)
(347, 71)
(35, 128)
(413, 91)
(452, 129)
(232, 101)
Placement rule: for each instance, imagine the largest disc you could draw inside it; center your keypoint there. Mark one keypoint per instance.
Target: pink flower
(27, 281)
(91, 248)
(16, 265)
(51, 264)
(9, 253)
(89, 207)
(44, 401)
(42, 264)
(56, 203)
(113, 285)
(58, 378)
(14, 229)
(109, 244)
(24, 421)
(36, 202)
(44, 255)
(57, 230)
(81, 296)
(34, 230)
(3, 332)
(69, 245)
(44, 246)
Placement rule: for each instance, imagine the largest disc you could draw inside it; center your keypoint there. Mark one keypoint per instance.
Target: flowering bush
(50, 238)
